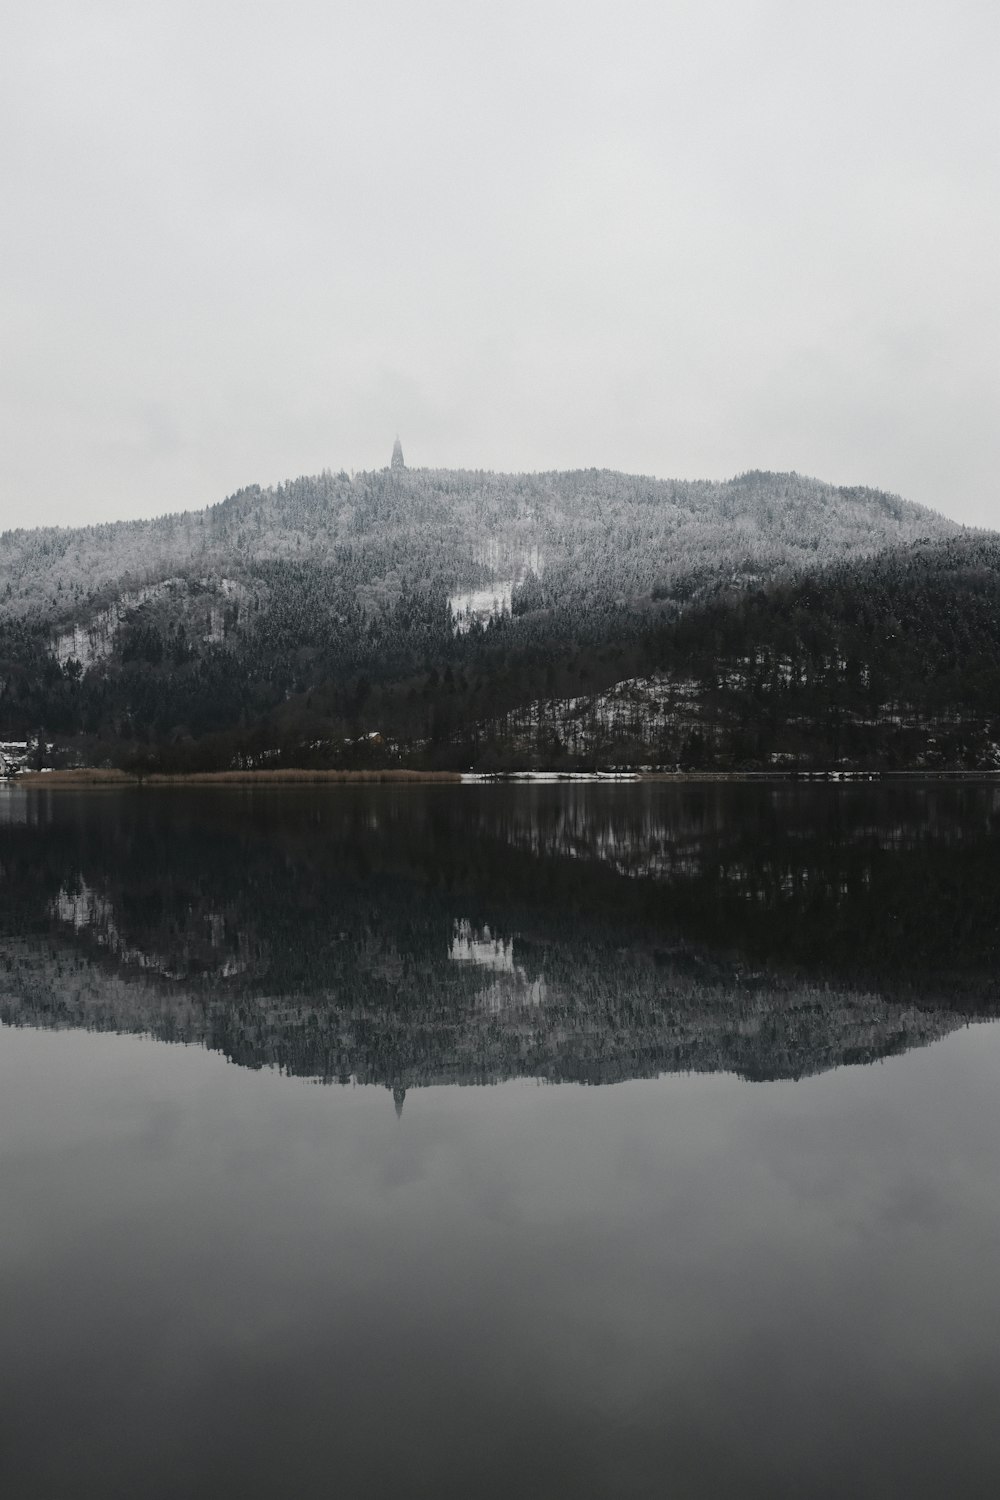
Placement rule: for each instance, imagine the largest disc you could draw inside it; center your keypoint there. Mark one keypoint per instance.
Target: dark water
(747, 1246)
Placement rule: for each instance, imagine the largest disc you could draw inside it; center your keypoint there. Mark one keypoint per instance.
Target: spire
(397, 455)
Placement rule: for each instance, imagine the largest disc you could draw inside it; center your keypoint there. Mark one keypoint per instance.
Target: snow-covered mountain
(464, 531)
(408, 608)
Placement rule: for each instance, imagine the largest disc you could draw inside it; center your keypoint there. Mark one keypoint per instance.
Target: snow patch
(95, 641)
(511, 989)
(478, 606)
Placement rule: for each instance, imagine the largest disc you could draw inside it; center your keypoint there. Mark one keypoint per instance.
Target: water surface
(551, 1141)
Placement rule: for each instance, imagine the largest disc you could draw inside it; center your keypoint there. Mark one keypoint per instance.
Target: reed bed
(82, 776)
(109, 777)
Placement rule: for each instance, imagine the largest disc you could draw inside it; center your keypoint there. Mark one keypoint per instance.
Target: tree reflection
(424, 935)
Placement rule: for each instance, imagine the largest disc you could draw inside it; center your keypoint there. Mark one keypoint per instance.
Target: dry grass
(97, 777)
(87, 776)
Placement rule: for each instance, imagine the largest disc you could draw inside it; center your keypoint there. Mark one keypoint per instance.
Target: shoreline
(97, 776)
(109, 777)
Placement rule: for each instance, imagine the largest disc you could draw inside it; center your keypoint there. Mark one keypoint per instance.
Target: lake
(546, 1141)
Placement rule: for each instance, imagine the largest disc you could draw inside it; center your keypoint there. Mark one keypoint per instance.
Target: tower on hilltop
(397, 456)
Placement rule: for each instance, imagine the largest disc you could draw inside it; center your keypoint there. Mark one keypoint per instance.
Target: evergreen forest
(471, 620)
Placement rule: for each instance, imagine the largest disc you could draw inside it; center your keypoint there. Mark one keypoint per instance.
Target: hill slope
(334, 608)
(459, 530)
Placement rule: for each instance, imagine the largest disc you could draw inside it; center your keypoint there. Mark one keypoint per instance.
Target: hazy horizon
(685, 240)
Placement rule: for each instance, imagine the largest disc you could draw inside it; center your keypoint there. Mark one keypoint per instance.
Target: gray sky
(243, 241)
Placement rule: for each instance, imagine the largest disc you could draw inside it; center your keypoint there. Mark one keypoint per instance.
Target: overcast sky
(243, 241)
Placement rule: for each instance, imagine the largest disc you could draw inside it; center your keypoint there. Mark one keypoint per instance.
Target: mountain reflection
(512, 987)
(408, 936)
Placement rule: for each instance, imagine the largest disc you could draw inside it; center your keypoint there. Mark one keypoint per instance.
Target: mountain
(461, 531)
(438, 616)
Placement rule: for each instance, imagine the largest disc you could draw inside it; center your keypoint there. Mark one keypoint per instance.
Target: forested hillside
(454, 618)
(891, 662)
(453, 530)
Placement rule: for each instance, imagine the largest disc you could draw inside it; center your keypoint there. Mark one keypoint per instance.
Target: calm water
(584, 1141)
